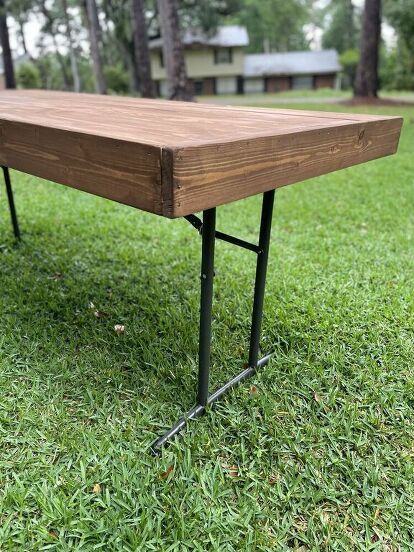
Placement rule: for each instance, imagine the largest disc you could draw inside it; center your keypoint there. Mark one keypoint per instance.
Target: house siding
(254, 85)
(200, 64)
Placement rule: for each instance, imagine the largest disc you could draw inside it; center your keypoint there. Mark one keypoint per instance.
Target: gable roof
(291, 63)
(231, 35)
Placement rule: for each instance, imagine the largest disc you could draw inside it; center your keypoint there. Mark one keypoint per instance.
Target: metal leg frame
(10, 198)
(207, 228)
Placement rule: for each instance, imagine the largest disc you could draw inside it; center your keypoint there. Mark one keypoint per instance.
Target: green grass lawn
(309, 95)
(315, 453)
(293, 94)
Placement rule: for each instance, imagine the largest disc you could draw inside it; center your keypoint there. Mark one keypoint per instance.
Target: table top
(176, 158)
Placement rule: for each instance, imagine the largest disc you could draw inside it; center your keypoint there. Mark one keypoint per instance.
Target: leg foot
(198, 409)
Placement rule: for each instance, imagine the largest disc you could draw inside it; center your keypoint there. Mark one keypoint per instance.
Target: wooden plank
(175, 158)
(158, 122)
(122, 171)
(212, 175)
(153, 122)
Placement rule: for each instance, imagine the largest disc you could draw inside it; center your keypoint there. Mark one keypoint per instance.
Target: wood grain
(122, 171)
(236, 170)
(174, 158)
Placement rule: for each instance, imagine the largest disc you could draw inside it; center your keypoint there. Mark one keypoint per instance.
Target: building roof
(231, 35)
(291, 63)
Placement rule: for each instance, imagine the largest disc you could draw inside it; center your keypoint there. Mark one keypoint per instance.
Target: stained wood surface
(174, 158)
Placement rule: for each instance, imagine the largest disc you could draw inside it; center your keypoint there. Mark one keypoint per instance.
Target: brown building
(290, 71)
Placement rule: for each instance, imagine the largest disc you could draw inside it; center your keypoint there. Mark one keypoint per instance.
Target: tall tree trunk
(142, 54)
(106, 39)
(366, 81)
(47, 15)
(132, 67)
(23, 37)
(72, 53)
(94, 39)
(10, 80)
(178, 88)
(116, 16)
(61, 62)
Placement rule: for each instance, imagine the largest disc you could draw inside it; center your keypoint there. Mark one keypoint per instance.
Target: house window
(198, 87)
(163, 88)
(161, 59)
(302, 82)
(223, 55)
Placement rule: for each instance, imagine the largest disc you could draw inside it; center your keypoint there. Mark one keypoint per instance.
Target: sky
(32, 30)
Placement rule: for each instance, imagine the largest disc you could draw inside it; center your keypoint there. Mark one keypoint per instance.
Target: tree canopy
(102, 44)
(275, 25)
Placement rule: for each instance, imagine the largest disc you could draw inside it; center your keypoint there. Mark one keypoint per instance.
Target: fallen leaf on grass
(374, 537)
(167, 472)
(97, 488)
(119, 328)
(100, 314)
(319, 400)
(233, 471)
(317, 397)
(253, 390)
(273, 478)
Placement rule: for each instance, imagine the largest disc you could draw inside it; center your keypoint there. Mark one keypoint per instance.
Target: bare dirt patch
(359, 100)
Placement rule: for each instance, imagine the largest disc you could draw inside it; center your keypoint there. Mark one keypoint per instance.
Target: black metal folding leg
(10, 198)
(207, 228)
(206, 303)
(260, 282)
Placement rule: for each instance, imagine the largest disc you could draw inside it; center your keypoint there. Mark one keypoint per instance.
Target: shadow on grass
(64, 322)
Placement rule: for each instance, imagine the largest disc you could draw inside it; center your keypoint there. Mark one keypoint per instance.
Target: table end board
(206, 176)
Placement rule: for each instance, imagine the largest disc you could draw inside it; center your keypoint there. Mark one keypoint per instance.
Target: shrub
(28, 76)
(117, 80)
(396, 69)
(349, 61)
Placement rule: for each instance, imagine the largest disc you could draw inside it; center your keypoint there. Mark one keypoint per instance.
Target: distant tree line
(103, 45)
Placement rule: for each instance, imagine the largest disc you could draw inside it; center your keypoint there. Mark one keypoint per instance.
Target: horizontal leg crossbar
(199, 409)
(198, 224)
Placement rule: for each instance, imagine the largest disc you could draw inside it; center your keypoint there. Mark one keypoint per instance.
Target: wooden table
(175, 159)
